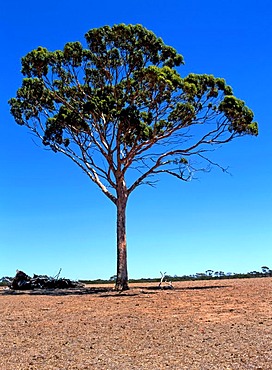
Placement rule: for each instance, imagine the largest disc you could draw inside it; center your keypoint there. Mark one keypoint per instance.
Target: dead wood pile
(22, 281)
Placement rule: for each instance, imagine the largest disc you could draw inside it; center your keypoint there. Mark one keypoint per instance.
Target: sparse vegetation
(207, 275)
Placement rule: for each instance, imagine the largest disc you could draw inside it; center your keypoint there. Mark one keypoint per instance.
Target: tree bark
(122, 274)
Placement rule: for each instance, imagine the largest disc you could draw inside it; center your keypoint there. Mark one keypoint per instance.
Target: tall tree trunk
(122, 274)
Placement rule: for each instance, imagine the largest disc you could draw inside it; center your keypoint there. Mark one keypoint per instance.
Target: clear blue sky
(52, 216)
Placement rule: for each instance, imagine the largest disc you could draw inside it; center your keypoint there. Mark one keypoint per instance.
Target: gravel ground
(202, 325)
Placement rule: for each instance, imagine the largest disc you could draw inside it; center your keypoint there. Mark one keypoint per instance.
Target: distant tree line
(207, 275)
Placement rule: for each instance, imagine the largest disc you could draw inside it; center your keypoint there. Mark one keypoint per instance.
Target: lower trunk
(122, 275)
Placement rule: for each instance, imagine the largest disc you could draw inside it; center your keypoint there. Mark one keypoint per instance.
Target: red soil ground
(201, 325)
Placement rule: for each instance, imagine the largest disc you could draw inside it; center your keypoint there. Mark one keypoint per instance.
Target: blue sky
(52, 216)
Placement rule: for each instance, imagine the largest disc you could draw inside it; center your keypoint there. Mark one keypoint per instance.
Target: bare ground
(202, 325)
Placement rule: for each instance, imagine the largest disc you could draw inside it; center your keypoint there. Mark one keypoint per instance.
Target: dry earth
(202, 325)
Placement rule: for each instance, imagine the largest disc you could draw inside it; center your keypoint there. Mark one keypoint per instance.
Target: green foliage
(239, 116)
(123, 94)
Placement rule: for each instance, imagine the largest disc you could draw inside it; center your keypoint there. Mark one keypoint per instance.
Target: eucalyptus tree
(120, 110)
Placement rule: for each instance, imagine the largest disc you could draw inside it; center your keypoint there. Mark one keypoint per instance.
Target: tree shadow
(105, 292)
(157, 288)
(115, 294)
(57, 292)
(205, 287)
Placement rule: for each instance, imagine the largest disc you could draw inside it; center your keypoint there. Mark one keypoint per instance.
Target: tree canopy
(121, 111)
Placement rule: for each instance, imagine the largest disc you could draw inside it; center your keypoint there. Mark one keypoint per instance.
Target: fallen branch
(169, 284)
